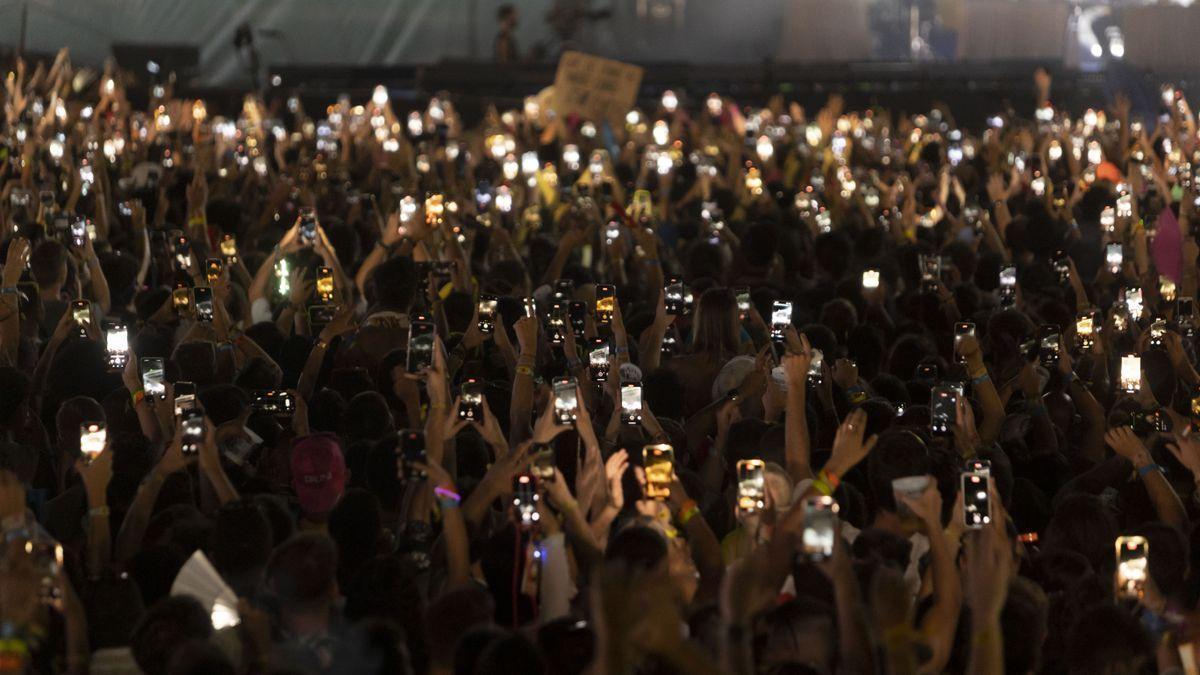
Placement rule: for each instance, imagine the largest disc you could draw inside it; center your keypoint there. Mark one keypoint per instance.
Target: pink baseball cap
(318, 472)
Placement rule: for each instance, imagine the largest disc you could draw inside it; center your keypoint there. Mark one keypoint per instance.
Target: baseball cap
(318, 471)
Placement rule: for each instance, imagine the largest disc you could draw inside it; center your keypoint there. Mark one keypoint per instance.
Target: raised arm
(10, 305)
(96, 474)
(797, 445)
(137, 518)
(1166, 503)
(938, 624)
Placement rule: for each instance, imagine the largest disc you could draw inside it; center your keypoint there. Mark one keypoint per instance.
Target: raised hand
(849, 448)
(927, 507)
(1186, 449)
(526, 329)
(1126, 444)
(614, 472)
(547, 428)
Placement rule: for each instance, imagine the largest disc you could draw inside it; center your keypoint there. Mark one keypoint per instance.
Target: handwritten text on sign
(595, 88)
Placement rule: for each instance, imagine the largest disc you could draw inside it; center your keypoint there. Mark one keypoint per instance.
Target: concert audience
(710, 389)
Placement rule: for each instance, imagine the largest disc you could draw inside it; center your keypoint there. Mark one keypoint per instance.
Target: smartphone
(319, 316)
(420, 346)
(544, 462)
(1131, 373)
(308, 224)
(470, 406)
(530, 306)
(1062, 267)
(525, 500)
(46, 557)
(1049, 344)
(1114, 255)
(612, 231)
(931, 272)
(564, 290)
(631, 403)
(487, 313)
(816, 368)
(116, 346)
(435, 208)
(78, 233)
(870, 279)
(1133, 302)
(1133, 566)
(1166, 289)
(92, 438)
(556, 323)
(181, 299)
(1108, 219)
(927, 372)
(410, 451)
(229, 248)
(1158, 330)
(598, 359)
(820, 516)
(751, 486)
(81, 311)
(943, 404)
(193, 432)
(642, 203)
(577, 316)
(1125, 206)
(566, 400)
(153, 373)
(977, 508)
(781, 319)
(670, 344)
(325, 284)
(1008, 286)
(273, 402)
(658, 460)
(185, 397)
(605, 299)
(962, 329)
(182, 248)
(742, 293)
(979, 466)
(203, 297)
(674, 296)
(213, 267)
(1185, 316)
(1085, 330)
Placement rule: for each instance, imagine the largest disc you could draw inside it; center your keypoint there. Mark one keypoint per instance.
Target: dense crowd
(706, 389)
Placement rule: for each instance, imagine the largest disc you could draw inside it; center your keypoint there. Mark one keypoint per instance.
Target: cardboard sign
(595, 88)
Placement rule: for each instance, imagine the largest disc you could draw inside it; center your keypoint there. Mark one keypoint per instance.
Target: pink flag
(1165, 247)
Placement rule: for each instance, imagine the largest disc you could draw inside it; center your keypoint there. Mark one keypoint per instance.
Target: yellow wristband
(688, 513)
